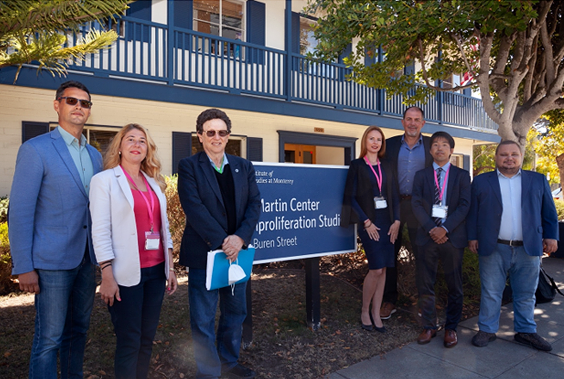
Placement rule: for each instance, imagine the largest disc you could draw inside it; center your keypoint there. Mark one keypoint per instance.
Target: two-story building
(174, 59)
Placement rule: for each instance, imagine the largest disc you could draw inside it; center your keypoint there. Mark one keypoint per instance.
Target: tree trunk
(560, 163)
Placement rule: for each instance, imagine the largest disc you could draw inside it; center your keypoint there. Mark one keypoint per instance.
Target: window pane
(233, 146)
(232, 14)
(205, 27)
(231, 33)
(101, 139)
(206, 12)
(307, 40)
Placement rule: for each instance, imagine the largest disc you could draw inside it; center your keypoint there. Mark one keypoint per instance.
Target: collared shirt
(80, 156)
(410, 160)
(443, 185)
(511, 222)
(225, 162)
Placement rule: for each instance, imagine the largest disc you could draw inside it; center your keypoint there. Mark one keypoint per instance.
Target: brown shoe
(387, 310)
(426, 335)
(451, 339)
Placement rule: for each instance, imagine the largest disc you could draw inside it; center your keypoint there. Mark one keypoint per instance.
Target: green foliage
(511, 49)
(37, 30)
(176, 217)
(549, 145)
(559, 209)
(6, 283)
(4, 209)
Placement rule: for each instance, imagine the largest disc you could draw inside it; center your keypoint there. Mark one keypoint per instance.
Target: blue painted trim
(161, 92)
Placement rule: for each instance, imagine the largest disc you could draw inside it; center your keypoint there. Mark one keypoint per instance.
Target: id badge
(152, 240)
(380, 203)
(440, 211)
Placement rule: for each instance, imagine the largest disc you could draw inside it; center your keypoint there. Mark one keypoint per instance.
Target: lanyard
(378, 179)
(150, 208)
(441, 190)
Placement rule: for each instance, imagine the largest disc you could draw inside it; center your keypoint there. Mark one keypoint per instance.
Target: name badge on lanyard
(379, 201)
(152, 238)
(440, 210)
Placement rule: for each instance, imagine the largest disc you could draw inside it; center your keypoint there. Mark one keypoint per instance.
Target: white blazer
(114, 231)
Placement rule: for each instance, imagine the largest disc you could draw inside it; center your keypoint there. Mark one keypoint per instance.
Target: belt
(405, 197)
(510, 243)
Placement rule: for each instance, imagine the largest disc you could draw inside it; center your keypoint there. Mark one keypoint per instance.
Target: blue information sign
(301, 212)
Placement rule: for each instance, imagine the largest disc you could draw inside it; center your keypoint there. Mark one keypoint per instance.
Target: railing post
(170, 73)
(288, 53)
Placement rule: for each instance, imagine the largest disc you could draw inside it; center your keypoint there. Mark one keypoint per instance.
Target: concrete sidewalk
(503, 358)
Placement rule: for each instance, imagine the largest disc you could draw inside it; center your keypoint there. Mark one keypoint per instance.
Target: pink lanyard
(150, 208)
(378, 179)
(442, 190)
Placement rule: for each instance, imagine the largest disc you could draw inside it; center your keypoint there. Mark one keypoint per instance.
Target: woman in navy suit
(372, 200)
(132, 242)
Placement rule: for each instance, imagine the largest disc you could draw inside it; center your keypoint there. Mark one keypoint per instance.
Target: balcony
(172, 56)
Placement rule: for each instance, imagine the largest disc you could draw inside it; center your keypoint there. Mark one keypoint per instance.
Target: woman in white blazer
(132, 242)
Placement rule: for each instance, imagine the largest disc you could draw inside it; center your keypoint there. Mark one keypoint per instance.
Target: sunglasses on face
(73, 100)
(211, 133)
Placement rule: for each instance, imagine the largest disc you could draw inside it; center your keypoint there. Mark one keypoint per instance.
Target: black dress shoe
(368, 328)
(239, 371)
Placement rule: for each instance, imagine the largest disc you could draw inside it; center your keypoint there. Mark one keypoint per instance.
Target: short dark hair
(211, 114)
(443, 135)
(507, 142)
(71, 84)
(414, 107)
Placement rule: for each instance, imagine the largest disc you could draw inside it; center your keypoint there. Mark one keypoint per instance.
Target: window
(224, 18)
(307, 39)
(233, 146)
(99, 137)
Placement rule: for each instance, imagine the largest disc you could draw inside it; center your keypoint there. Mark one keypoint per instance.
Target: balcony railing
(162, 53)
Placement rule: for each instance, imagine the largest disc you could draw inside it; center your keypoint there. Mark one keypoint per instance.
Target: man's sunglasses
(73, 100)
(211, 133)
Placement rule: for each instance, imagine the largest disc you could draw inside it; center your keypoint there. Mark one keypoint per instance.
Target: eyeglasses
(73, 100)
(211, 133)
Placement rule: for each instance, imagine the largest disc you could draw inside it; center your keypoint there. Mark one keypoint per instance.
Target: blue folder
(217, 268)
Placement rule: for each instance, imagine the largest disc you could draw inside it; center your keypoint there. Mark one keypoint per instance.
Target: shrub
(4, 209)
(176, 217)
(559, 208)
(7, 284)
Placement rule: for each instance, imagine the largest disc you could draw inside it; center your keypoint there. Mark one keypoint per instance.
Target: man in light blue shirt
(50, 239)
(512, 220)
(407, 154)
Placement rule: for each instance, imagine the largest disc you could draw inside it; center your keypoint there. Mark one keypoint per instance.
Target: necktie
(437, 220)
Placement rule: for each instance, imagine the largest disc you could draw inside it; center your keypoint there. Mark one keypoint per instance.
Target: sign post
(300, 219)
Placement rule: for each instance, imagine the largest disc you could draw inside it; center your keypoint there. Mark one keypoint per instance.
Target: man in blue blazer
(441, 200)
(407, 154)
(50, 238)
(221, 200)
(512, 220)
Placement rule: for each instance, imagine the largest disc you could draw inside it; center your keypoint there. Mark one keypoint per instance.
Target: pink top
(148, 258)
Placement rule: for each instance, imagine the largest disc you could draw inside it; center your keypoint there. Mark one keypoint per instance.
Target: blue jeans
(62, 318)
(211, 360)
(135, 319)
(523, 271)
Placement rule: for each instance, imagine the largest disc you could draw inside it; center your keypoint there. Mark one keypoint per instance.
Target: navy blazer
(393, 145)
(49, 220)
(458, 201)
(364, 193)
(540, 220)
(206, 217)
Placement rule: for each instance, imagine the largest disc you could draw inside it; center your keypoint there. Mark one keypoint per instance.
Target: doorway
(295, 153)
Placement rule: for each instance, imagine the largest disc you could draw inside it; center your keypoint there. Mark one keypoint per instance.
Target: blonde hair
(151, 165)
(364, 150)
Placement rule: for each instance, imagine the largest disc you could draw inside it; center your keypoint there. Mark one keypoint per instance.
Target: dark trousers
(427, 263)
(135, 320)
(407, 218)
